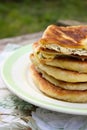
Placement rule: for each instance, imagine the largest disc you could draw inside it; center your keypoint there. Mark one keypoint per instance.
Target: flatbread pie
(59, 63)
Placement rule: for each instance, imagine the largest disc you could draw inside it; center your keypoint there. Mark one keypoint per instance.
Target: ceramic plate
(17, 77)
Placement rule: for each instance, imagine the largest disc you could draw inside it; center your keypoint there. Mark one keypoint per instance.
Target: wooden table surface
(22, 40)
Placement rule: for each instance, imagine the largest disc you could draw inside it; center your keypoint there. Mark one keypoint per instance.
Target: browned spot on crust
(71, 36)
(76, 33)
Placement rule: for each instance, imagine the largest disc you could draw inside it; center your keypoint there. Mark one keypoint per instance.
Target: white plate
(16, 75)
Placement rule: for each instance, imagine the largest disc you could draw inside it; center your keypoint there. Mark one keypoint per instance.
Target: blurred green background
(18, 17)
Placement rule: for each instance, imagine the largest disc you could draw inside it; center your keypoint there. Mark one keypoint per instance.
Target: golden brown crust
(62, 84)
(69, 37)
(58, 73)
(66, 63)
(57, 92)
(53, 58)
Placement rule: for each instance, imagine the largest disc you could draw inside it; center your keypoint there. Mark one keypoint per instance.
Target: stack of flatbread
(59, 63)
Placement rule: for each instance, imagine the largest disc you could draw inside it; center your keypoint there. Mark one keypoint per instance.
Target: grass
(29, 16)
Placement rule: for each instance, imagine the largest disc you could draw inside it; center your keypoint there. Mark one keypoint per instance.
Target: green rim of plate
(6, 70)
